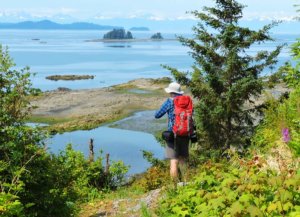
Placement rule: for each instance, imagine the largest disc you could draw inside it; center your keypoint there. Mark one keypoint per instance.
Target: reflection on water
(122, 145)
(142, 121)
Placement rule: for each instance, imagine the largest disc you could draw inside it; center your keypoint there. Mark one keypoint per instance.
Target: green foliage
(154, 178)
(290, 73)
(284, 114)
(152, 160)
(19, 145)
(237, 188)
(33, 182)
(279, 116)
(225, 76)
(145, 211)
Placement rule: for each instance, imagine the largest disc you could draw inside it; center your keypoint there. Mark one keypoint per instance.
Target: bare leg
(174, 171)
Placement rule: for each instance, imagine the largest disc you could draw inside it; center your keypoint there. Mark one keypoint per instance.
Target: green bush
(239, 188)
(32, 181)
(277, 117)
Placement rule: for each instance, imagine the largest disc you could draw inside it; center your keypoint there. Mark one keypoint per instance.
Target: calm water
(66, 52)
(121, 144)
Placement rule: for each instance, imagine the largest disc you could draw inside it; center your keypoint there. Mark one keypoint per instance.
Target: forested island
(157, 36)
(118, 34)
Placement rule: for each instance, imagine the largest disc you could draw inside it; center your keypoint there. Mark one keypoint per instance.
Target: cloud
(269, 16)
(37, 12)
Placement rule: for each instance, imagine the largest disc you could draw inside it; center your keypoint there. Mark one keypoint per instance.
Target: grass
(47, 120)
(132, 193)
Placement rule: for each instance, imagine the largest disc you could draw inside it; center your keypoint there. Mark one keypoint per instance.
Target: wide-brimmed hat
(174, 87)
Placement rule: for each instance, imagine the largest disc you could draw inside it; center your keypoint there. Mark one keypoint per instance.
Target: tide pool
(124, 145)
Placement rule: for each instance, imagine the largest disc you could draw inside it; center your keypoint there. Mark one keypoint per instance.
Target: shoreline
(86, 109)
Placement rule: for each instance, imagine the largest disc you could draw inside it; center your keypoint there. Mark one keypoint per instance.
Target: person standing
(177, 148)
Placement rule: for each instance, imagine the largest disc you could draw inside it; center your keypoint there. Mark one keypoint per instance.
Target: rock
(118, 34)
(148, 200)
(63, 89)
(69, 77)
(157, 36)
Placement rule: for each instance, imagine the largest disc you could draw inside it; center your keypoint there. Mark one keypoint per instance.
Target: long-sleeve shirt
(167, 107)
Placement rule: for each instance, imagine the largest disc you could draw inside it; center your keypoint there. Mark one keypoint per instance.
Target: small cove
(124, 141)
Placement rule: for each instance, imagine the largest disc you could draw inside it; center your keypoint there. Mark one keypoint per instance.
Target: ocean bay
(51, 52)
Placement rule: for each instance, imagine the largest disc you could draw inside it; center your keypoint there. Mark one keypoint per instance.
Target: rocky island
(69, 77)
(157, 36)
(118, 34)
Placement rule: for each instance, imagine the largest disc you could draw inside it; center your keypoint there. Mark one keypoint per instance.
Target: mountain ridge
(48, 24)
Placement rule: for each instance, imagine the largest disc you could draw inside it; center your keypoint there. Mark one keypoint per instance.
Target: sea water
(60, 52)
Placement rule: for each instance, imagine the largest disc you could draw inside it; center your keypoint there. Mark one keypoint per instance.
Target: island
(157, 36)
(118, 34)
(69, 77)
(47, 24)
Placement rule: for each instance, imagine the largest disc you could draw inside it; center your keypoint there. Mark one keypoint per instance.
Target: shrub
(238, 188)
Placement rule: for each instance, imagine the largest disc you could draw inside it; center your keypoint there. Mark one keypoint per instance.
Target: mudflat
(68, 110)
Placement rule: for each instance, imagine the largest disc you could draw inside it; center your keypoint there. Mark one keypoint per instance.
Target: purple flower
(285, 135)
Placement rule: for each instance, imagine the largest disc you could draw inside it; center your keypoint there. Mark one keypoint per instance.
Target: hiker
(177, 148)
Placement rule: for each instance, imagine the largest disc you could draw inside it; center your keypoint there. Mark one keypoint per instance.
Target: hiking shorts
(178, 149)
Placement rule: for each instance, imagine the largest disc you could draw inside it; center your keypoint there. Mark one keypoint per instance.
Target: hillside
(47, 24)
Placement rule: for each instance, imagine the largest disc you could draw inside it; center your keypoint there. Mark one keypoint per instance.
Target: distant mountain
(139, 29)
(47, 24)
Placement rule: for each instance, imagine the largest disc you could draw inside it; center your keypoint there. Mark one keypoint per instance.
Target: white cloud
(38, 12)
(268, 16)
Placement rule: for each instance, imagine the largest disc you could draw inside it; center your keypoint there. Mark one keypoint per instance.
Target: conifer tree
(225, 77)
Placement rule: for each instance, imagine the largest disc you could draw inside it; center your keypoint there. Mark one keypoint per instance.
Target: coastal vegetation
(250, 171)
(225, 76)
(237, 168)
(69, 77)
(34, 182)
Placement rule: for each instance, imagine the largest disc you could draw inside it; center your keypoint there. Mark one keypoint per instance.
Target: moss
(47, 120)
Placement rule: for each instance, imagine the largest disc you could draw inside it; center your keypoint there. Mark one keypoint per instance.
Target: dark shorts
(179, 148)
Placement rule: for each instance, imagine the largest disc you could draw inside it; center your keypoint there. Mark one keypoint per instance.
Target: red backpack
(183, 111)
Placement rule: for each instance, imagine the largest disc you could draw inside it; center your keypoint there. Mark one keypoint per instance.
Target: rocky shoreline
(87, 109)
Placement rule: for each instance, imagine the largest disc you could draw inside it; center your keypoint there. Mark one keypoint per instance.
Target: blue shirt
(167, 107)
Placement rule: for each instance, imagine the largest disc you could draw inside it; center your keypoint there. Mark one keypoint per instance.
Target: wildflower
(286, 135)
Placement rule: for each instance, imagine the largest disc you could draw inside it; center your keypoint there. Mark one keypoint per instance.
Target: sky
(101, 10)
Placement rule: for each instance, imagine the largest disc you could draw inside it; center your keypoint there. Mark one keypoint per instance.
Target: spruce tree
(225, 76)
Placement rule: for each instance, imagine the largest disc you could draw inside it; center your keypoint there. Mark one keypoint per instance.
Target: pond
(121, 144)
